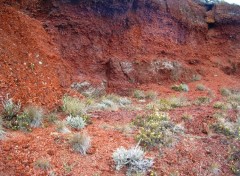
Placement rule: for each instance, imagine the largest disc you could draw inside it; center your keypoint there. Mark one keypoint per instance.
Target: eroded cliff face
(125, 43)
(145, 41)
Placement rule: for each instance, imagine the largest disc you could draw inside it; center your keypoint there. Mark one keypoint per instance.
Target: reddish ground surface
(43, 49)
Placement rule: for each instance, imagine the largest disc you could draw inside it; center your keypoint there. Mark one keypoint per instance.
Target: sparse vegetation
(80, 142)
(219, 105)
(31, 117)
(51, 117)
(43, 164)
(10, 109)
(227, 128)
(234, 160)
(196, 77)
(133, 158)
(225, 92)
(151, 95)
(200, 87)
(73, 106)
(156, 129)
(35, 115)
(169, 103)
(202, 101)
(75, 122)
(139, 94)
(181, 88)
(61, 127)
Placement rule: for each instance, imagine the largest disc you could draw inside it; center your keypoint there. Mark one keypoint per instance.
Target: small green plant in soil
(225, 92)
(151, 95)
(156, 129)
(200, 87)
(202, 101)
(75, 122)
(181, 88)
(10, 109)
(139, 94)
(80, 142)
(219, 105)
(73, 106)
(133, 159)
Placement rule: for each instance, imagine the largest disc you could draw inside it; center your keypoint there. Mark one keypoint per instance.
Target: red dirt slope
(31, 68)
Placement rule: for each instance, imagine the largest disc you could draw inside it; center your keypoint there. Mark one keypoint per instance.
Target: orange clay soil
(45, 47)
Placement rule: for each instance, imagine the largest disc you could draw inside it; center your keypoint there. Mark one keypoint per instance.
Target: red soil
(45, 47)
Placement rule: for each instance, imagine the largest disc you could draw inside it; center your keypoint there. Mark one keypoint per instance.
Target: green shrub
(227, 128)
(225, 92)
(181, 88)
(76, 122)
(234, 160)
(156, 129)
(73, 106)
(219, 105)
(138, 94)
(200, 87)
(202, 101)
(167, 104)
(10, 109)
(35, 114)
(133, 159)
(180, 101)
(80, 142)
(31, 117)
(151, 95)
(51, 117)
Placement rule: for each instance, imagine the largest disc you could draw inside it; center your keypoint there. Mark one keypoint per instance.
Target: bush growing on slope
(133, 159)
(80, 142)
(10, 109)
(76, 122)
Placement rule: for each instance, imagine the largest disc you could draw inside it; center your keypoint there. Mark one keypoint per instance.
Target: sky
(233, 1)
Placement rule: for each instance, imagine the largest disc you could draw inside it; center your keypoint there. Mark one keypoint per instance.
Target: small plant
(235, 161)
(68, 167)
(35, 115)
(202, 101)
(73, 106)
(227, 128)
(138, 94)
(181, 88)
(225, 92)
(80, 142)
(61, 127)
(43, 164)
(76, 122)
(151, 95)
(196, 77)
(156, 129)
(31, 117)
(219, 105)
(10, 109)
(180, 101)
(133, 159)
(200, 87)
(52, 117)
